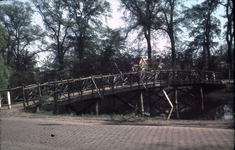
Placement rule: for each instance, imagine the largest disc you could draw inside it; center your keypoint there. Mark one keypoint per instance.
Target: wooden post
(23, 96)
(113, 83)
(68, 92)
(150, 102)
(130, 81)
(26, 98)
(139, 75)
(114, 104)
(154, 78)
(176, 103)
(0, 101)
(55, 99)
(9, 99)
(142, 103)
(97, 108)
(121, 78)
(40, 95)
(81, 88)
(73, 85)
(201, 91)
(103, 86)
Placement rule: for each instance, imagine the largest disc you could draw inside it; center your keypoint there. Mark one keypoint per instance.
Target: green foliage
(3, 35)
(17, 79)
(16, 18)
(111, 46)
(204, 28)
(46, 94)
(45, 112)
(142, 16)
(4, 75)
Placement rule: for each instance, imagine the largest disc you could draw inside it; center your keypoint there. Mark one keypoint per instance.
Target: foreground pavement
(29, 132)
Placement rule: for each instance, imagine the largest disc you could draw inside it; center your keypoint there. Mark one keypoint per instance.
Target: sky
(159, 43)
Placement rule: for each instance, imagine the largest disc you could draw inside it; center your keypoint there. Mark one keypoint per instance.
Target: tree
(4, 74)
(170, 25)
(142, 15)
(53, 13)
(86, 24)
(229, 32)
(3, 43)
(204, 27)
(111, 47)
(16, 18)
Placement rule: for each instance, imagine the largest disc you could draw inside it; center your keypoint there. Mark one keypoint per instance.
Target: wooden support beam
(169, 101)
(176, 103)
(97, 108)
(155, 106)
(202, 98)
(128, 101)
(186, 103)
(0, 101)
(128, 104)
(142, 103)
(23, 96)
(149, 100)
(170, 113)
(68, 91)
(40, 95)
(87, 107)
(55, 100)
(187, 93)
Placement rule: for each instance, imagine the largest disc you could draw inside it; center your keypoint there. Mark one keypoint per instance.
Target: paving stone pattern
(49, 134)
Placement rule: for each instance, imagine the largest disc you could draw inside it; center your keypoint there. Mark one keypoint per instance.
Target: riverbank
(18, 112)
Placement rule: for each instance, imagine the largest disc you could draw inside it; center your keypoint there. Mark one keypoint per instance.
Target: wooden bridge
(69, 91)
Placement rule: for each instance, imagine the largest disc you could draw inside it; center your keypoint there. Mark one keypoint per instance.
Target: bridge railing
(99, 84)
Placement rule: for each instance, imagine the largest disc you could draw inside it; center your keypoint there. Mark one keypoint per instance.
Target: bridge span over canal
(97, 87)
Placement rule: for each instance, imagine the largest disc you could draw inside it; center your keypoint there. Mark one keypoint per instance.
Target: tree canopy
(79, 43)
(205, 27)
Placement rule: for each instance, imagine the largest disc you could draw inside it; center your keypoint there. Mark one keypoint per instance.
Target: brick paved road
(35, 133)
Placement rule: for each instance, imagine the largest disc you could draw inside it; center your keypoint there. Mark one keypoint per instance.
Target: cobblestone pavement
(49, 133)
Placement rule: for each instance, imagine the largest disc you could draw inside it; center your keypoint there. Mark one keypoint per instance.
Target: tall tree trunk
(173, 51)
(171, 32)
(148, 38)
(229, 37)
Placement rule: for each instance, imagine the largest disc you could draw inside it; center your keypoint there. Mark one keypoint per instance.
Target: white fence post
(9, 99)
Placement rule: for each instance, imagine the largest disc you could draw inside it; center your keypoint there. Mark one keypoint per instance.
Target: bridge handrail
(98, 83)
(105, 76)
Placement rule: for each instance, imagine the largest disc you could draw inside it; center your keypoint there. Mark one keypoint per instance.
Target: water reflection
(228, 112)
